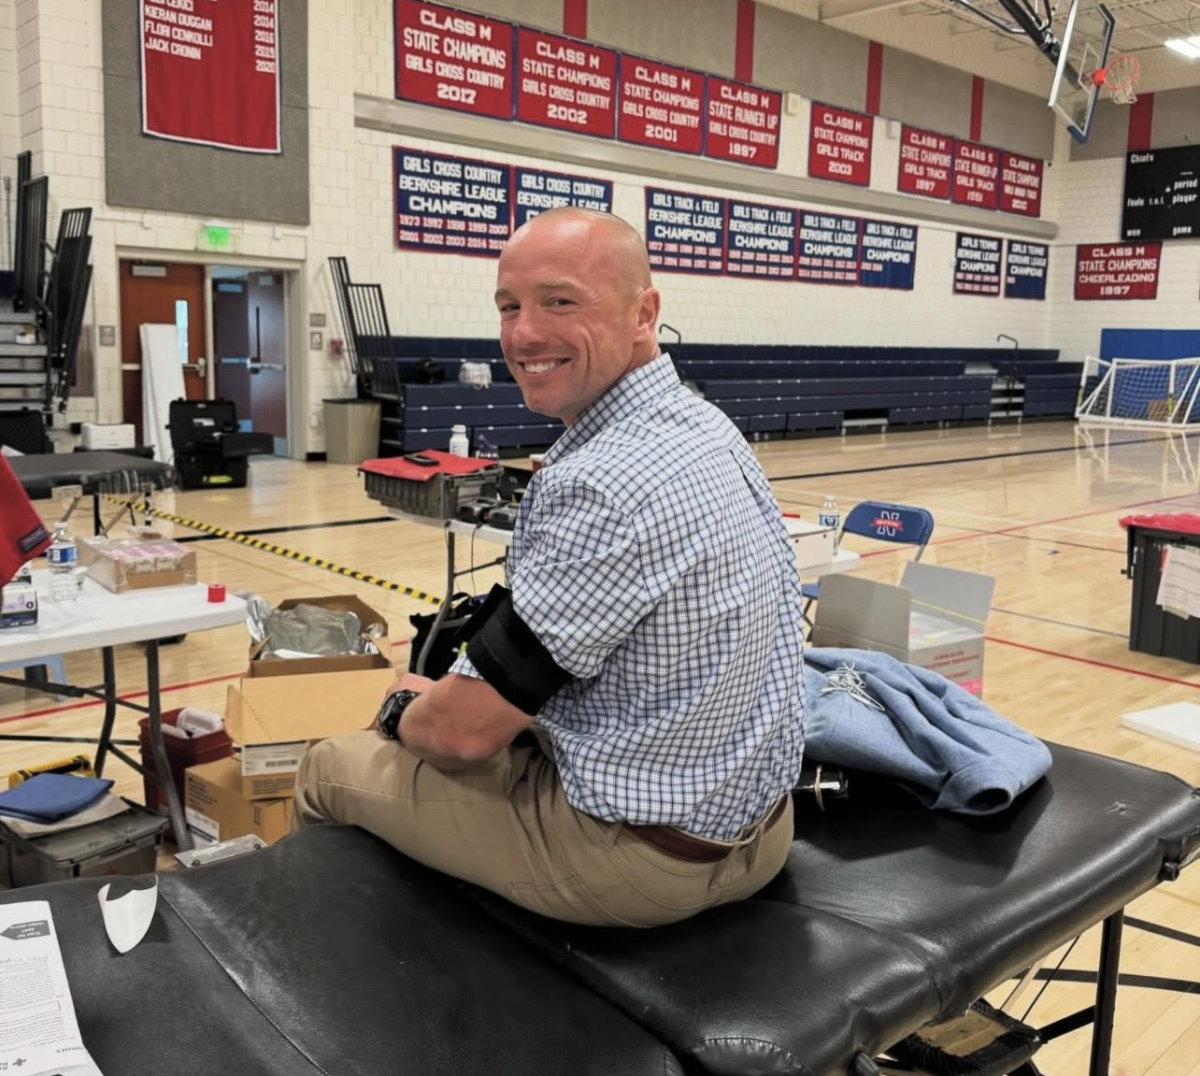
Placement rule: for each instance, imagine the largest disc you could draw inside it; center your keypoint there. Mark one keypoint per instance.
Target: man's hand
(410, 682)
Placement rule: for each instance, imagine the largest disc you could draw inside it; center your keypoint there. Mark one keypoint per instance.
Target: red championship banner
(742, 123)
(661, 105)
(1021, 184)
(210, 72)
(839, 145)
(453, 59)
(1117, 270)
(926, 162)
(976, 175)
(566, 83)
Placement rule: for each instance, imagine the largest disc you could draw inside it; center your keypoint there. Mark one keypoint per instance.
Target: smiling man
(618, 743)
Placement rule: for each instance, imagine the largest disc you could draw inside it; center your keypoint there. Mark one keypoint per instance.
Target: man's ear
(646, 313)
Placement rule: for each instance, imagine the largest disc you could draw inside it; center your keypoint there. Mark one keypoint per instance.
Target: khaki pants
(506, 825)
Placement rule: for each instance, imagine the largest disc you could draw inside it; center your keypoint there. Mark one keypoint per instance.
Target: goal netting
(1141, 393)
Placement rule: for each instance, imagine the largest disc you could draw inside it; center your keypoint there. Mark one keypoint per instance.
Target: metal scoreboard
(1162, 194)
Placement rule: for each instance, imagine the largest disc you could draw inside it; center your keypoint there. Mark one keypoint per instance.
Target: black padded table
(330, 952)
(98, 473)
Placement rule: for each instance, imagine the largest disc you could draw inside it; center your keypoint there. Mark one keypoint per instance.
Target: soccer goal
(1142, 393)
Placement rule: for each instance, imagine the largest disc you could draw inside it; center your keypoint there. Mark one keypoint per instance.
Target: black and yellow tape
(282, 551)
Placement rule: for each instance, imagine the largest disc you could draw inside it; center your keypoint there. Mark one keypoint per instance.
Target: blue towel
(944, 744)
(51, 797)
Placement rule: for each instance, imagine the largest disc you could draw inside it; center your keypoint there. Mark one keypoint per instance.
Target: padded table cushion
(40, 474)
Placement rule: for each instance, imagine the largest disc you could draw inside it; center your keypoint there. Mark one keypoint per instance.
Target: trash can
(351, 430)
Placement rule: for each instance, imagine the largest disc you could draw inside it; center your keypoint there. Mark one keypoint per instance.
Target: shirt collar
(622, 399)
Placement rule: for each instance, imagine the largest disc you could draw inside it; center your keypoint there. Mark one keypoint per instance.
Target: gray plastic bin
(351, 430)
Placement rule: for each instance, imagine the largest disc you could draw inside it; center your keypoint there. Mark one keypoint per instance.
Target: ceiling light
(1189, 47)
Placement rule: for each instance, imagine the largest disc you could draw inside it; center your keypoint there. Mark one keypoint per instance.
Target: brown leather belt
(681, 845)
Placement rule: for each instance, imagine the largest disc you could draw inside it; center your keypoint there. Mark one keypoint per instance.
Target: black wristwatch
(392, 710)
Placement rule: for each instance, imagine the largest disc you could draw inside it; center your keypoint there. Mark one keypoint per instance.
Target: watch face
(392, 710)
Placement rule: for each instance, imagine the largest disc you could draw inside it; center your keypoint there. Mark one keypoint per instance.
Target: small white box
(108, 435)
(812, 542)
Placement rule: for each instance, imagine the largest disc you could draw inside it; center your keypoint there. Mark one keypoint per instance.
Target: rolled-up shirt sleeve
(579, 586)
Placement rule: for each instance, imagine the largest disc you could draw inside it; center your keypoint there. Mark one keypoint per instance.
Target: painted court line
(1195, 685)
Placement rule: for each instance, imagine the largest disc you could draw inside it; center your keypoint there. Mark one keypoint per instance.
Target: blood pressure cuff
(507, 654)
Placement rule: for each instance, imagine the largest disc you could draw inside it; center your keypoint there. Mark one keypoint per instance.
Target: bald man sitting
(649, 638)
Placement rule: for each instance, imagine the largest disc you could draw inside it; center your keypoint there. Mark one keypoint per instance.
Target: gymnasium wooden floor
(1035, 506)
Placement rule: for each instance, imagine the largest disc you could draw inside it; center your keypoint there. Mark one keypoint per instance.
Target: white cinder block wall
(51, 50)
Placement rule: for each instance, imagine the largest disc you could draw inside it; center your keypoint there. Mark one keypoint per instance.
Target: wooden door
(231, 345)
(173, 294)
(268, 350)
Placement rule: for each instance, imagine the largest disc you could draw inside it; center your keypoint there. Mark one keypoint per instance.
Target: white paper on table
(38, 1030)
(128, 917)
(1179, 584)
(88, 1068)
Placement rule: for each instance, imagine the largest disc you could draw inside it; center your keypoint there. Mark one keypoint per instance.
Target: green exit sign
(216, 237)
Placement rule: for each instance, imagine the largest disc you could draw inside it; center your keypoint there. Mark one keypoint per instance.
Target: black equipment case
(209, 449)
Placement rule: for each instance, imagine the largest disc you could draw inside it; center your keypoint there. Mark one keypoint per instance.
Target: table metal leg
(1106, 993)
(183, 839)
(447, 602)
(108, 660)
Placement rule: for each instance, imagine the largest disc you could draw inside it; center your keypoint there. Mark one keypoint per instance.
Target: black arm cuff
(507, 654)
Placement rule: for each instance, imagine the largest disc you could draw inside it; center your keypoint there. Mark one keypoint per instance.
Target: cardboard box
(935, 619)
(812, 542)
(342, 603)
(275, 719)
(216, 811)
(123, 564)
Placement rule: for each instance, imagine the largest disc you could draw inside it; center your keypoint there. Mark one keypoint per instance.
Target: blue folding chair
(899, 523)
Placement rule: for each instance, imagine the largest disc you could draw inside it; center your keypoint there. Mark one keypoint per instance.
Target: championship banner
(566, 84)
(839, 145)
(1117, 270)
(760, 240)
(537, 190)
(660, 105)
(1025, 270)
(828, 250)
(926, 162)
(977, 264)
(1021, 185)
(742, 123)
(889, 255)
(453, 59)
(450, 204)
(210, 72)
(685, 233)
(976, 175)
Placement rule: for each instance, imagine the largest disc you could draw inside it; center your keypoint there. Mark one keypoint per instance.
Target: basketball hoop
(1120, 78)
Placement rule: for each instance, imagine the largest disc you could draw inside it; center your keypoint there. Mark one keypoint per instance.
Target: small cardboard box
(275, 719)
(342, 603)
(215, 809)
(812, 542)
(110, 435)
(123, 564)
(934, 619)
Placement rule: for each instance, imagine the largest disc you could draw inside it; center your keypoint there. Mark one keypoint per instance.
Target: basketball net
(1120, 78)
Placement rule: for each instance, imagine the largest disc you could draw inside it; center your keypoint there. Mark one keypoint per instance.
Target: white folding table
(102, 620)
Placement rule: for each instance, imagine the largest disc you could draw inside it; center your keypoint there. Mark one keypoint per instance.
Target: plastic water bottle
(62, 557)
(459, 445)
(832, 518)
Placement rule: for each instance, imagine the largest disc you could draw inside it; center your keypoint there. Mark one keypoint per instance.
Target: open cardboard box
(935, 618)
(137, 563)
(275, 719)
(342, 603)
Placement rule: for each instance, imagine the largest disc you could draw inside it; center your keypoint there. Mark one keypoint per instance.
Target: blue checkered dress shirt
(650, 559)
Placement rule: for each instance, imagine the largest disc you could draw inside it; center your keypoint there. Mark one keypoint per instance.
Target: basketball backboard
(1085, 43)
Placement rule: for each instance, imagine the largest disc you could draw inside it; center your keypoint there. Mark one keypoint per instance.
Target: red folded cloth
(399, 467)
(22, 534)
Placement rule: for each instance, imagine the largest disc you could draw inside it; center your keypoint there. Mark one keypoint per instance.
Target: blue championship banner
(889, 255)
(760, 240)
(1025, 270)
(828, 251)
(685, 233)
(454, 204)
(977, 264)
(538, 190)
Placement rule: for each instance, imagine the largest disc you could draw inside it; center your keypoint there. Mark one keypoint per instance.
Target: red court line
(1092, 661)
(743, 59)
(133, 695)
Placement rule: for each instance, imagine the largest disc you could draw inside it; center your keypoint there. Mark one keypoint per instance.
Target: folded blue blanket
(50, 797)
(941, 742)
